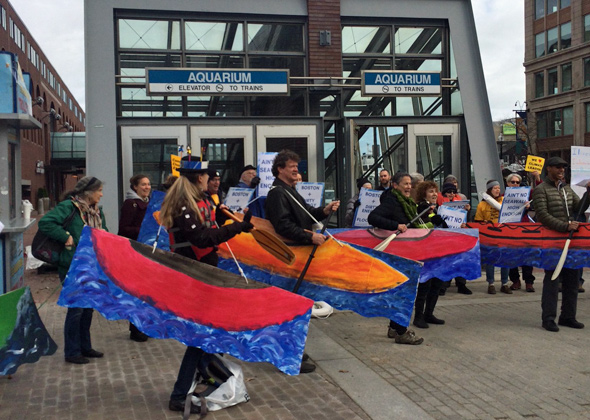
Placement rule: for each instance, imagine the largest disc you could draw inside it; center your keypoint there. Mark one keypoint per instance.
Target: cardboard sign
(265, 161)
(454, 216)
(369, 201)
(461, 204)
(312, 192)
(514, 204)
(580, 169)
(237, 199)
(175, 163)
(534, 163)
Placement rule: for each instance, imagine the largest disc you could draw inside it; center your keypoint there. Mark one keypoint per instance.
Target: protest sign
(458, 203)
(265, 161)
(369, 200)
(580, 168)
(534, 163)
(237, 199)
(454, 216)
(312, 192)
(514, 204)
(175, 163)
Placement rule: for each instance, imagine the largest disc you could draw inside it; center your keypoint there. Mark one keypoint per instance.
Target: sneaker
(572, 323)
(491, 290)
(420, 322)
(92, 353)
(506, 289)
(550, 326)
(530, 288)
(178, 405)
(138, 336)
(77, 360)
(306, 367)
(463, 290)
(409, 337)
(431, 319)
(515, 285)
(391, 333)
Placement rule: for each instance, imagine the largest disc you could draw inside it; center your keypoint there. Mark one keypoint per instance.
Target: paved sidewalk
(492, 360)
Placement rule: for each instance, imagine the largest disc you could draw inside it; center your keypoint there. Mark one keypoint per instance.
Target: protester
(384, 180)
(171, 179)
(249, 179)
(290, 215)
(189, 217)
(82, 202)
(132, 213)
(488, 210)
(514, 180)
(395, 211)
(354, 201)
(417, 178)
(213, 184)
(556, 204)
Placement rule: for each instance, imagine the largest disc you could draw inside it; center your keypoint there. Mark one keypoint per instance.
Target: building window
(539, 9)
(362, 39)
(539, 85)
(552, 41)
(552, 88)
(566, 77)
(587, 117)
(540, 44)
(586, 71)
(3, 16)
(551, 6)
(214, 36)
(565, 3)
(568, 121)
(566, 36)
(586, 28)
(555, 123)
(541, 125)
(149, 34)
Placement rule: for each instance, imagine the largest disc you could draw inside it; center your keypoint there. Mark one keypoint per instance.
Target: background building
(47, 166)
(326, 46)
(557, 67)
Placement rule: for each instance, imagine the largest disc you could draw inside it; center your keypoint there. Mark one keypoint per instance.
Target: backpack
(222, 382)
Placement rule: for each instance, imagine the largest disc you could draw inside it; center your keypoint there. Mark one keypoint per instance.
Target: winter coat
(550, 207)
(289, 219)
(132, 214)
(389, 214)
(51, 225)
(486, 212)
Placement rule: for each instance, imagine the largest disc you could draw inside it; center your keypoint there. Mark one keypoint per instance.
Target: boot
(419, 320)
(423, 289)
(431, 300)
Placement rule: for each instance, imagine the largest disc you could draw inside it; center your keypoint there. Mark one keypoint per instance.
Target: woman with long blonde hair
(189, 217)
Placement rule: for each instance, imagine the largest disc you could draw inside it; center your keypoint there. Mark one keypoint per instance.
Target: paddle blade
(561, 261)
(383, 245)
(273, 245)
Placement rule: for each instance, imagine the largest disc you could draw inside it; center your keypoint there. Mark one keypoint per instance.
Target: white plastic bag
(32, 262)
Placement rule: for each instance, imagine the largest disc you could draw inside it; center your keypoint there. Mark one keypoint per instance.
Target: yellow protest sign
(175, 162)
(534, 163)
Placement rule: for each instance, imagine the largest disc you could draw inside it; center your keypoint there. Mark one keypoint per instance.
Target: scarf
(90, 213)
(410, 209)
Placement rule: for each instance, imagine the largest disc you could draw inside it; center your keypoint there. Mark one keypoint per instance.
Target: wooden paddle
(268, 241)
(383, 245)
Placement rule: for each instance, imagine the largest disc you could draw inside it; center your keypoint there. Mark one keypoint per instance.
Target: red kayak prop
(518, 244)
(168, 296)
(446, 253)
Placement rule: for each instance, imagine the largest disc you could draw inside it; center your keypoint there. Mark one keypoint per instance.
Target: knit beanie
(449, 187)
(491, 184)
(84, 184)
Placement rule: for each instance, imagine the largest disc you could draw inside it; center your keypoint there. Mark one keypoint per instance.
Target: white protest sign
(265, 161)
(454, 216)
(237, 199)
(457, 204)
(514, 204)
(369, 200)
(312, 192)
(580, 168)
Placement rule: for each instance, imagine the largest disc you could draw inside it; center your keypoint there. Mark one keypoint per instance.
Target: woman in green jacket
(83, 202)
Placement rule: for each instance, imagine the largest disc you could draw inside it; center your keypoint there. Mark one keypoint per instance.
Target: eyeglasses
(515, 182)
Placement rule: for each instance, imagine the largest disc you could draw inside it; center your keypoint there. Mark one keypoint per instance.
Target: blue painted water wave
(87, 286)
(545, 258)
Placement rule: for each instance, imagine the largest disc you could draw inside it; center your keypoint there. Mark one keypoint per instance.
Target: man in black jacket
(288, 212)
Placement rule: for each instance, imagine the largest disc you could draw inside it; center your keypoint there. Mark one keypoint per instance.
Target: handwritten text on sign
(514, 204)
(534, 163)
(369, 200)
(312, 192)
(237, 199)
(265, 161)
(454, 216)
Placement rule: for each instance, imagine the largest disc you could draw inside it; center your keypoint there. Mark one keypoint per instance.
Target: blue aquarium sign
(16, 98)
(400, 83)
(166, 81)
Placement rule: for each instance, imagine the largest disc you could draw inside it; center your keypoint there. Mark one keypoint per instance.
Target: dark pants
(427, 297)
(527, 274)
(77, 330)
(186, 374)
(569, 297)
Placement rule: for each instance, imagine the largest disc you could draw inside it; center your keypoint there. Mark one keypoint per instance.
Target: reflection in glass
(568, 121)
(296, 65)
(566, 77)
(136, 103)
(434, 157)
(275, 37)
(552, 81)
(551, 40)
(555, 123)
(366, 39)
(542, 125)
(133, 65)
(566, 35)
(539, 85)
(215, 106)
(418, 40)
(149, 34)
(214, 61)
(152, 158)
(586, 28)
(540, 44)
(207, 36)
(379, 147)
(418, 64)
(539, 9)
(226, 155)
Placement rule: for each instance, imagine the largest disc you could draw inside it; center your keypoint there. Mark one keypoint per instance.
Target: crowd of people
(192, 212)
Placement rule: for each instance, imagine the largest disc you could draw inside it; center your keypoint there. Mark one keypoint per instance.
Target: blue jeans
(490, 274)
(77, 330)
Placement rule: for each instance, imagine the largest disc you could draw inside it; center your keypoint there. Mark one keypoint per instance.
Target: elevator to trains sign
(400, 83)
(243, 82)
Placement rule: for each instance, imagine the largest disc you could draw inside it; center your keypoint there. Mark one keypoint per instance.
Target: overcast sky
(57, 26)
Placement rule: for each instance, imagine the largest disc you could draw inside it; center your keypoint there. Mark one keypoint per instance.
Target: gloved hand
(255, 181)
(246, 225)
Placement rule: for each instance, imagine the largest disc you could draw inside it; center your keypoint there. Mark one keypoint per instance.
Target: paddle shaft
(314, 249)
(566, 247)
(386, 242)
